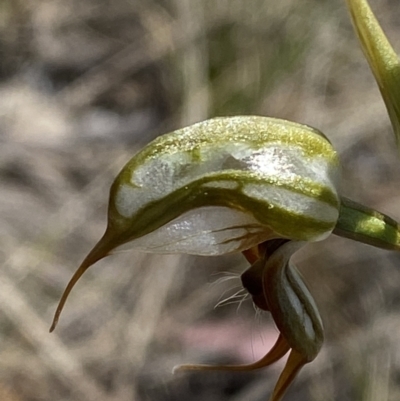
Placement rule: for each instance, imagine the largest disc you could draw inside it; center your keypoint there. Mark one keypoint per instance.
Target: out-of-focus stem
(381, 57)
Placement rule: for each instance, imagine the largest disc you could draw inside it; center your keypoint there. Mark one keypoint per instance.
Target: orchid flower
(257, 185)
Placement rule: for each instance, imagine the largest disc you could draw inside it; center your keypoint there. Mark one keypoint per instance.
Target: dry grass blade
(55, 355)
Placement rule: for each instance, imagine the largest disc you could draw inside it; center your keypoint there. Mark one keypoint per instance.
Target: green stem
(366, 225)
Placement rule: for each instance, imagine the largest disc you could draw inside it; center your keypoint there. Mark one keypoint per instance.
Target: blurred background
(84, 85)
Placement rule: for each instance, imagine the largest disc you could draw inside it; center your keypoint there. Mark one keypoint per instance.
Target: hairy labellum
(276, 286)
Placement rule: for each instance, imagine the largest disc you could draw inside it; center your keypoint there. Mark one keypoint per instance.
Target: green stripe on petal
(255, 131)
(288, 222)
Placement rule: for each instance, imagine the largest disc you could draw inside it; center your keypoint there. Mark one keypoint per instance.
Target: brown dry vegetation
(84, 84)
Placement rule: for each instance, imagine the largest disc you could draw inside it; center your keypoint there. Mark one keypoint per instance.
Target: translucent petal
(205, 231)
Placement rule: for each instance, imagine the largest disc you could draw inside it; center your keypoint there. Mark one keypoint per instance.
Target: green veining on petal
(239, 180)
(284, 222)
